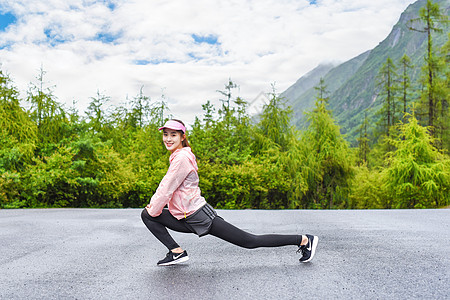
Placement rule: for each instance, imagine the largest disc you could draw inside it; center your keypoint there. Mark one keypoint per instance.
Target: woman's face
(172, 140)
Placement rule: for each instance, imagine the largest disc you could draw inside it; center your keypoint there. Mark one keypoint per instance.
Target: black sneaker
(309, 249)
(173, 258)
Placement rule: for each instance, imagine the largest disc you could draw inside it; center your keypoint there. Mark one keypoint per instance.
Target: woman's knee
(250, 242)
(145, 215)
(148, 220)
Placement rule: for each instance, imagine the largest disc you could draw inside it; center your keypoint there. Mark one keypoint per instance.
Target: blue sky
(6, 19)
(186, 50)
(208, 39)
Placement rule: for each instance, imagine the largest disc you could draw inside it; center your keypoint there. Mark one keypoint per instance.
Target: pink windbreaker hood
(179, 187)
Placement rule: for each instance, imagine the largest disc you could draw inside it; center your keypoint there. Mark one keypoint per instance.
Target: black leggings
(220, 228)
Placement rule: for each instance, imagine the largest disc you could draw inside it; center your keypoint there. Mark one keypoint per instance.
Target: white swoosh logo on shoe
(178, 256)
(310, 246)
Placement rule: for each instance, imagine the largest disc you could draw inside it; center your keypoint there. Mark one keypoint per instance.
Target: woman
(188, 211)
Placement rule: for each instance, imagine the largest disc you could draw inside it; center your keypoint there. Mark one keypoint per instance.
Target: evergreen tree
(405, 81)
(228, 94)
(226, 139)
(363, 141)
(322, 93)
(418, 174)
(140, 111)
(208, 118)
(366, 191)
(47, 113)
(96, 112)
(159, 111)
(201, 137)
(18, 133)
(388, 88)
(274, 127)
(432, 16)
(325, 164)
(241, 136)
(444, 117)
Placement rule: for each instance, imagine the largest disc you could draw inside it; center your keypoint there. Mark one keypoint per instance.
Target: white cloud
(85, 46)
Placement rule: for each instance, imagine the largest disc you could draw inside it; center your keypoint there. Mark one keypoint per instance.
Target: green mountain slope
(334, 79)
(352, 85)
(307, 82)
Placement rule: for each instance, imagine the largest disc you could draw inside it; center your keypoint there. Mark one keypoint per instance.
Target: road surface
(109, 254)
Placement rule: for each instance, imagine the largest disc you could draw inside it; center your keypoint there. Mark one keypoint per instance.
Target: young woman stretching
(188, 211)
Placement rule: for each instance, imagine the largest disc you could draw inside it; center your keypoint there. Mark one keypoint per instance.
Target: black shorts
(201, 220)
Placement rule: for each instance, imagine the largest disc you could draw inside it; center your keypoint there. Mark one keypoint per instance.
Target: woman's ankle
(304, 240)
(177, 250)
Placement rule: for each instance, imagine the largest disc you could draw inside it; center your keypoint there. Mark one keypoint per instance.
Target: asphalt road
(109, 254)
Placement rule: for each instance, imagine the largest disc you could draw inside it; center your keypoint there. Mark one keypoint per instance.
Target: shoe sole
(313, 250)
(183, 259)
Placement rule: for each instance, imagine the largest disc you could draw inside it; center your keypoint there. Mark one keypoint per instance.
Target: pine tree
(159, 111)
(363, 141)
(275, 126)
(18, 133)
(444, 117)
(417, 175)
(324, 163)
(388, 89)
(140, 110)
(96, 112)
(47, 113)
(228, 94)
(432, 16)
(405, 81)
(322, 93)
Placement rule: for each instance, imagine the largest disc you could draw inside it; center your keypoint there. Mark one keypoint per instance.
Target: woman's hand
(148, 208)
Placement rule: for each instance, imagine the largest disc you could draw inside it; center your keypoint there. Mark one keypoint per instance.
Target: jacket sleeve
(178, 170)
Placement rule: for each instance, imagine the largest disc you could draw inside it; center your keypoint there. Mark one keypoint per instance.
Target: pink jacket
(179, 187)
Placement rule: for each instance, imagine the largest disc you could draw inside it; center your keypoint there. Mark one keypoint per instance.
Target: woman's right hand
(148, 208)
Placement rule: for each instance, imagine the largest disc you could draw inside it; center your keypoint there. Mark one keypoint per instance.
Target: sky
(182, 51)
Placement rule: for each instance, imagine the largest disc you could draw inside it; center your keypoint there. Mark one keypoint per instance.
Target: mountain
(352, 85)
(334, 78)
(307, 81)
